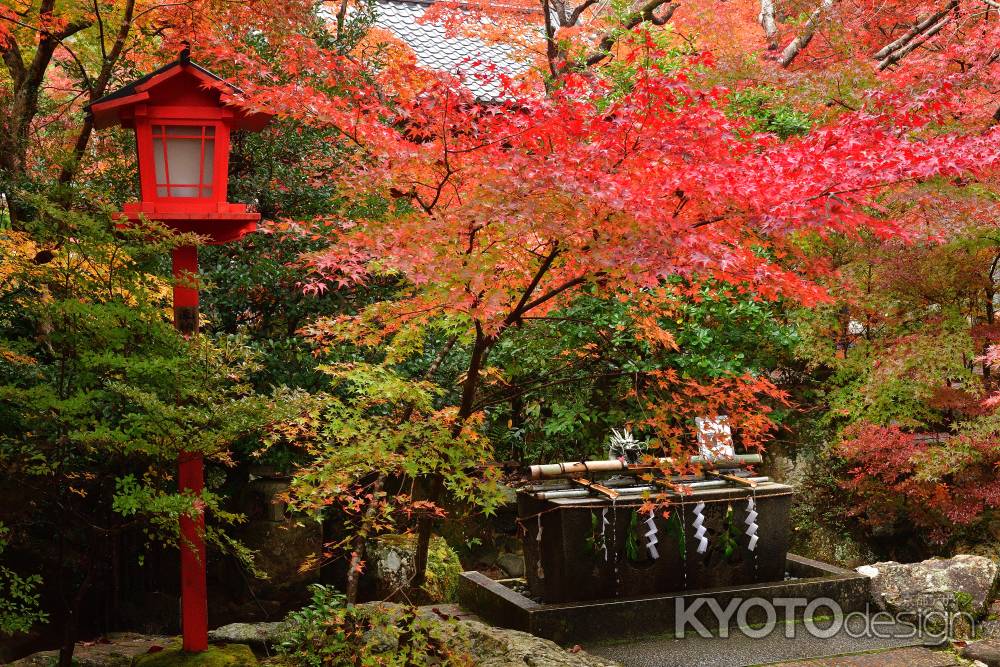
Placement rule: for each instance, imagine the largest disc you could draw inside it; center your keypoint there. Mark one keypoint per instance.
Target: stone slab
(116, 650)
(904, 657)
(572, 622)
(740, 650)
(987, 652)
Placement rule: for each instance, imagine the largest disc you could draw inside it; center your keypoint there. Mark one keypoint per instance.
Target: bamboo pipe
(636, 490)
(577, 468)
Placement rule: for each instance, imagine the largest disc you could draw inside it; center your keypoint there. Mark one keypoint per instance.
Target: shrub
(329, 633)
(942, 485)
(19, 609)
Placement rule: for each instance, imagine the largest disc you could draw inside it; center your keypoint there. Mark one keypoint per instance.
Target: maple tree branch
(708, 221)
(519, 309)
(79, 65)
(438, 190)
(28, 80)
(802, 40)
(12, 58)
(829, 193)
(100, 29)
(118, 47)
(842, 103)
(544, 385)
(449, 171)
(99, 87)
(166, 5)
(46, 45)
(646, 12)
(918, 28)
(356, 564)
(895, 51)
(578, 12)
(45, 48)
(902, 53)
(341, 17)
(551, 294)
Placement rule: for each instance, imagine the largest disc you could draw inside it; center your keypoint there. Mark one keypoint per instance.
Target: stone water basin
(569, 563)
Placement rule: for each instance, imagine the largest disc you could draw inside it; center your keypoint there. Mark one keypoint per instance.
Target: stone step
(786, 646)
(903, 657)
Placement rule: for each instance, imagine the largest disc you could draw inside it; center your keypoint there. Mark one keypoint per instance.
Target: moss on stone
(393, 562)
(443, 571)
(965, 603)
(220, 655)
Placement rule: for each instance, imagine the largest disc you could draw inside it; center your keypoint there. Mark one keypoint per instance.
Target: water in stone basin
(520, 586)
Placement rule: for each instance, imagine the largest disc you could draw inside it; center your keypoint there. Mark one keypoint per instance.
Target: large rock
(960, 584)
(282, 550)
(258, 635)
(989, 628)
(390, 561)
(986, 652)
(486, 645)
(223, 655)
(490, 646)
(127, 649)
(116, 650)
(511, 564)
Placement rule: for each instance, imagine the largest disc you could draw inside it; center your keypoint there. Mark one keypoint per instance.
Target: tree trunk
(990, 318)
(68, 641)
(360, 538)
(73, 617)
(14, 145)
(518, 452)
(767, 22)
(802, 40)
(436, 483)
(69, 169)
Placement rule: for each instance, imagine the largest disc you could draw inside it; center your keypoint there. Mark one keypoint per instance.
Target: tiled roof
(465, 56)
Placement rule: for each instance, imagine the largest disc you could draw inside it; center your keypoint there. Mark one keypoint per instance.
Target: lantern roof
(160, 86)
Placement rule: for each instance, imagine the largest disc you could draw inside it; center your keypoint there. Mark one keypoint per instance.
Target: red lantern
(183, 116)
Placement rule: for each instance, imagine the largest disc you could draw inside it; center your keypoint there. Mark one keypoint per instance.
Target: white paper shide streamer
(751, 522)
(651, 539)
(604, 525)
(538, 538)
(699, 528)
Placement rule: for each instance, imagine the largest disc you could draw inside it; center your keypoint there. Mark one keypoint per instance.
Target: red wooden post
(194, 589)
(183, 115)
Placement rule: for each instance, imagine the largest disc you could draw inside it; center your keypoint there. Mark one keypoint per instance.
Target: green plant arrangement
(675, 527)
(330, 633)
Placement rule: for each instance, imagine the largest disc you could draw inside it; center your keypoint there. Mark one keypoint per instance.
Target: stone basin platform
(497, 602)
